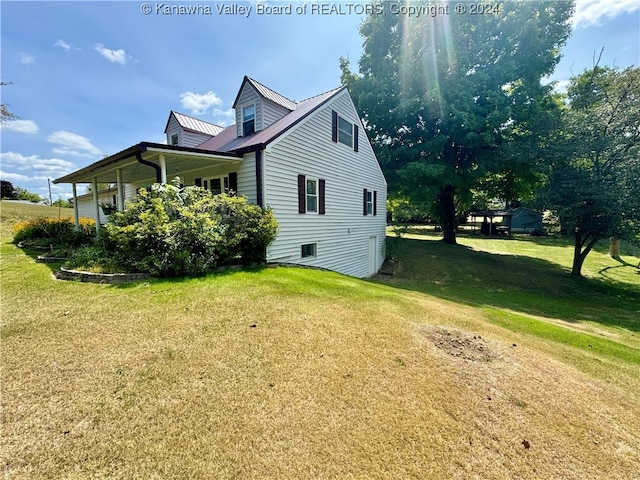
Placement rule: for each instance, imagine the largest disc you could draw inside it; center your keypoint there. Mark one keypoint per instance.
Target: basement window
(309, 250)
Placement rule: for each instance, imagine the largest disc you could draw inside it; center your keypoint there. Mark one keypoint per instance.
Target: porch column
(76, 215)
(163, 169)
(94, 189)
(120, 190)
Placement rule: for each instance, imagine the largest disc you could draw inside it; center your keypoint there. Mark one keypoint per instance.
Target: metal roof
(227, 141)
(195, 124)
(266, 92)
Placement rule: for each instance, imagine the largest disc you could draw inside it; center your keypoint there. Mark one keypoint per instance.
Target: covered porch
(142, 164)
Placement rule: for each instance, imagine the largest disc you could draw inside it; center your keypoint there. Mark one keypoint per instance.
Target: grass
(294, 373)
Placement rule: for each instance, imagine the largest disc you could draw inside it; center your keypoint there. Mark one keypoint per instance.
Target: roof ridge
(292, 103)
(323, 93)
(198, 119)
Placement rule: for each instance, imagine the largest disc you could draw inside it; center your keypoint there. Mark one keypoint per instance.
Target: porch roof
(178, 161)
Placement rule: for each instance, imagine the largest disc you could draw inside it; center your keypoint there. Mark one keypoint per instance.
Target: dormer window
(248, 120)
(174, 139)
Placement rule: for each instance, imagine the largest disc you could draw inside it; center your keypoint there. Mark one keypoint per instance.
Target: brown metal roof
(194, 124)
(226, 141)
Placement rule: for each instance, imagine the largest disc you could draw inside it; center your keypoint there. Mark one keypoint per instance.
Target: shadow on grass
(520, 283)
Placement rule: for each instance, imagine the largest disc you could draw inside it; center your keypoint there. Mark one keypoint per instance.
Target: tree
(8, 191)
(24, 194)
(5, 114)
(595, 189)
(448, 99)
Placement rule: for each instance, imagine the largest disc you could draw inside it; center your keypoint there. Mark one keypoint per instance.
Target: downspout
(94, 190)
(152, 165)
(76, 215)
(259, 200)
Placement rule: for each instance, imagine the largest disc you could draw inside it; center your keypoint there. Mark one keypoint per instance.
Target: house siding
(271, 113)
(343, 233)
(86, 206)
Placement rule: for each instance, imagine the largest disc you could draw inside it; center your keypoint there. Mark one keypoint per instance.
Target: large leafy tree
(595, 188)
(452, 100)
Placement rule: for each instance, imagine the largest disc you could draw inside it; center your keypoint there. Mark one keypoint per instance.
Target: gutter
(150, 164)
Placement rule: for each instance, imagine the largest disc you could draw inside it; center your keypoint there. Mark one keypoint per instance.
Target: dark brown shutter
(302, 201)
(355, 138)
(321, 194)
(198, 182)
(334, 126)
(233, 183)
(375, 202)
(364, 202)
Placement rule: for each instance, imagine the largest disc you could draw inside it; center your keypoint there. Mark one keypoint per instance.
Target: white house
(309, 161)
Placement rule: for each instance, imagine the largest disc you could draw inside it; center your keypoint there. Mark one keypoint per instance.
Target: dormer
(185, 131)
(257, 107)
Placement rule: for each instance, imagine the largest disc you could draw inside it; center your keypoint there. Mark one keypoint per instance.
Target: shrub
(171, 231)
(57, 232)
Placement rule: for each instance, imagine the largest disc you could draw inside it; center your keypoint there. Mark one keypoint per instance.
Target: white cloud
(22, 126)
(114, 56)
(63, 45)
(593, 12)
(69, 143)
(28, 168)
(229, 116)
(26, 59)
(198, 103)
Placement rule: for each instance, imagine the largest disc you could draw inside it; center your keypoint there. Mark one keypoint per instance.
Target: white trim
(193, 154)
(317, 195)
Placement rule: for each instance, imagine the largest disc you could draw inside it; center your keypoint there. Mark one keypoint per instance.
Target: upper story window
(174, 139)
(345, 131)
(248, 120)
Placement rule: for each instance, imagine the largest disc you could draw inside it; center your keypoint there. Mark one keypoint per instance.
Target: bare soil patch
(460, 344)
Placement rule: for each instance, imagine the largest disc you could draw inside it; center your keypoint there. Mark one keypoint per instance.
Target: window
(174, 139)
(343, 131)
(311, 195)
(248, 120)
(369, 202)
(217, 185)
(309, 250)
(223, 183)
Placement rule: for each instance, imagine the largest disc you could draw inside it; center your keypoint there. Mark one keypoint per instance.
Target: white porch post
(94, 189)
(120, 190)
(76, 215)
(163, 169)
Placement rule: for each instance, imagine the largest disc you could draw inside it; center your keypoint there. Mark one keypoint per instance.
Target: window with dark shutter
(321, 196)
(355, 138)
(334, 126)
(375, 202)
(302, 203)
(364, 201)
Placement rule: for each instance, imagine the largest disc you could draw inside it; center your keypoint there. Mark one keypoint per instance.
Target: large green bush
(171, 231)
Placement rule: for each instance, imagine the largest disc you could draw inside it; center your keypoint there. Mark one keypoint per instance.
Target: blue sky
(92, 78)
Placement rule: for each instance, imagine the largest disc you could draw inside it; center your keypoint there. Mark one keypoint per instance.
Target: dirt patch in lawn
(461, 345)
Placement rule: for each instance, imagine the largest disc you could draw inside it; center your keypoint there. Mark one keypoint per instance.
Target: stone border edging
(106, 278)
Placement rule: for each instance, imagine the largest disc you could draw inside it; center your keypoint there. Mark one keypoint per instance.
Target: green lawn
(485, 360)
